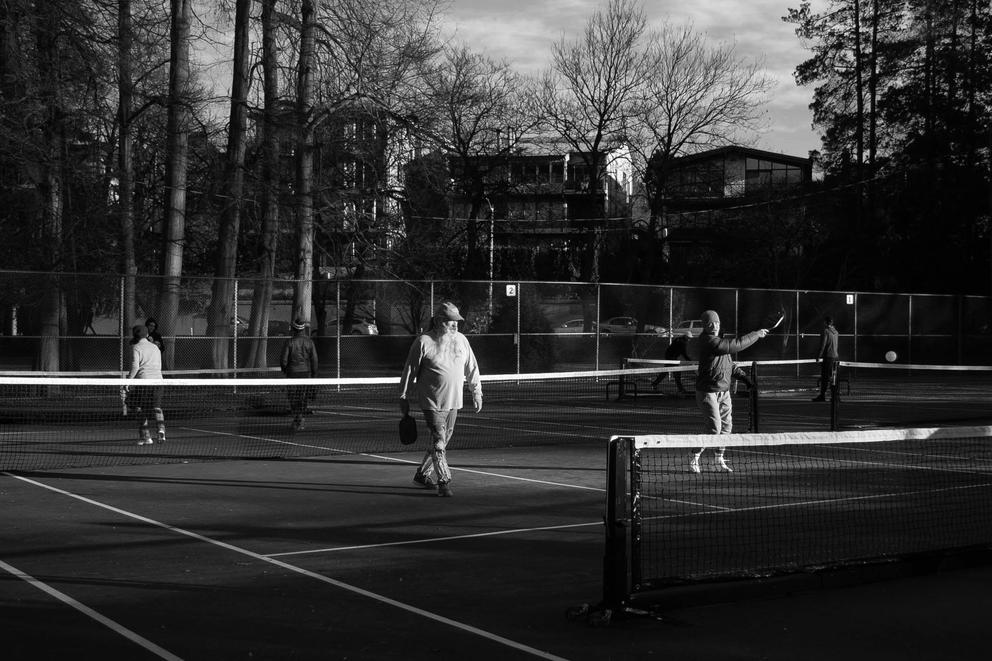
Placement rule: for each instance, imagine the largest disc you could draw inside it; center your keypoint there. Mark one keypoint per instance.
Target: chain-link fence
(64, 322)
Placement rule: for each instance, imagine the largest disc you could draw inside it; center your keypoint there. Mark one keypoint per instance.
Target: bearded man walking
(438, 366)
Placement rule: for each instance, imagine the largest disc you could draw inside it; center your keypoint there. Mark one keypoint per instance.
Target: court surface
(344, 558)
(341, 556)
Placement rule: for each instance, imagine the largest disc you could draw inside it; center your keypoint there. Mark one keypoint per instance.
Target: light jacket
(146, 361)
(438, 382)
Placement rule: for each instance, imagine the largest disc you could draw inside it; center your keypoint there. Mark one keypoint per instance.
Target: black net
(795, 502)
(891, 394)
(58, 422)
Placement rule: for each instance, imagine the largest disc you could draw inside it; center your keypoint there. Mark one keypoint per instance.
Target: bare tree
(695, 96)
(302, 298)
(369, 63)
(262, 296)
(50, 179)
(480, 118)
(125, 155)
(176, 162)
(587, 95)
(222, 306)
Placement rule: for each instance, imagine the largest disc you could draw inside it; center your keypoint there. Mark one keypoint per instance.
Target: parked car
(573, 326)
(627, 325)
(691, 326)
(358, 327)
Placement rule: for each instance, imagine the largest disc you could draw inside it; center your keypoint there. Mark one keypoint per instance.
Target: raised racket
(774, 320)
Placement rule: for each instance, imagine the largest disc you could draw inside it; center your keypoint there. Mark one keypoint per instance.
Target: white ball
(890, 356)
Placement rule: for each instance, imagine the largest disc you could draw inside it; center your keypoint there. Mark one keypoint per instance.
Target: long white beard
(449, 349)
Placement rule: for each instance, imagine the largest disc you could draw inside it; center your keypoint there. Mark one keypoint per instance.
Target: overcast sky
(521, 31)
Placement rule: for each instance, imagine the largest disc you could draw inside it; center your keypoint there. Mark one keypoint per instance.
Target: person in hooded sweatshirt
(713, 379)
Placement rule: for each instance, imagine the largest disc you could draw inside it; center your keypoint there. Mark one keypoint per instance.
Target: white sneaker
(721, 465)
(694, 464)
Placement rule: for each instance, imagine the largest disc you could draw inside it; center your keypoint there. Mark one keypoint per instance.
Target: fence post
(120, 324)
(959, 327)
(519, 337)
(671, 312)
(856, 341)
(798, 334)
(598, 318)
(909, 331)
(234, 307)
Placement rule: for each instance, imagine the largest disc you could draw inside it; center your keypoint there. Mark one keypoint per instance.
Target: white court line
(89, 612)
(824, 501)
(396, 459)
(430, 540)
(304, 572)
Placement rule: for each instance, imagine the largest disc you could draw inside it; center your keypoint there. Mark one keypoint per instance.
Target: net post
(834, 397)
(616, 558)
(752, 399)
(622, 384)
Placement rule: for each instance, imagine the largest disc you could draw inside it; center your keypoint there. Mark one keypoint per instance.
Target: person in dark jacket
(677, 350)
(713, 379)
(299, 361)
(153, 335)
(827, 355)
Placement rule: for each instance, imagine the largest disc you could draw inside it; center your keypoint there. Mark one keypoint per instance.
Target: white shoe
(694, 464)
(145, 441)
(721, 465)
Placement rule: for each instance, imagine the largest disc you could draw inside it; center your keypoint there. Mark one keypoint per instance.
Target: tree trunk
(223, 311)
(177, 128)
(304, 164)
(49, 185)
(262, 296)
(125, 162)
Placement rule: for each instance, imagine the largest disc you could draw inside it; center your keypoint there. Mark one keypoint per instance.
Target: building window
(701, 180)
(762, 175)
(578, 176)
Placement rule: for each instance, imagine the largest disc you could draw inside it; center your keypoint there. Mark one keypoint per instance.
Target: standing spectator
(153, 335)
(439, 363)
(713, 379)
(146, 363)
(677, 350)
(299, 361)
(827, 355)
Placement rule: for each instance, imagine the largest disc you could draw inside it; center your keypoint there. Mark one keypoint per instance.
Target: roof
(728, 150)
